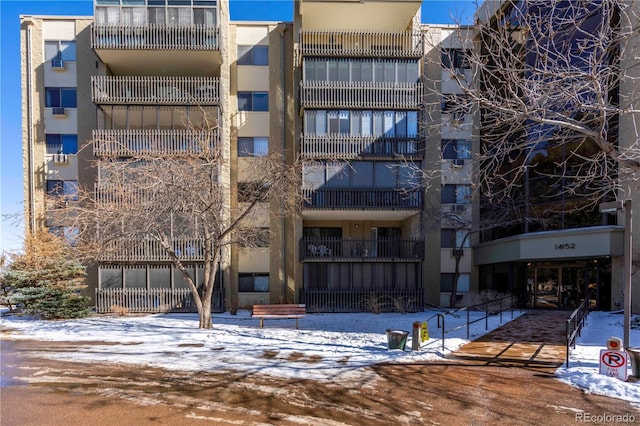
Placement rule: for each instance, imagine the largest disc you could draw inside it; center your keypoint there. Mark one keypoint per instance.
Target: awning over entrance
(593, 242)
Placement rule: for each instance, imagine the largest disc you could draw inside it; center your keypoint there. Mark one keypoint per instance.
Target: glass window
(260, 55)
(463, 194)
(204, 17)
(135, 277)
(51, 50)
(412, 123)
(260, 101)
(343, 71)
(110, 277)
(446, 283)
(245, 101)
(448, 238)
(321, 122)
(159, 276)
(62, 144)
(253, 55)
(309, 70)
(253, 147)
(332, 67)
(385, 175)
(68, 50)
(456, 149)
(60, 97)
(68, 189)
(337, 175)
(448, 194)
(309, 122)
(321, 71)
(253, 282)
(332, 117)
(362, 174)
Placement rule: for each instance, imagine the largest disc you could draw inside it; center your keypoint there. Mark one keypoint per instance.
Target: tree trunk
(205, 313)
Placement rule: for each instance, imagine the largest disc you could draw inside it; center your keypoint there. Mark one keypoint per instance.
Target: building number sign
(565, 246)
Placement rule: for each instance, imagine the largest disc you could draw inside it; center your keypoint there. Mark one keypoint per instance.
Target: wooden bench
(282, 311)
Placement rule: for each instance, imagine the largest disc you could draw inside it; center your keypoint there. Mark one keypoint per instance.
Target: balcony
(341, 146)
(141, 90)
(344, 94)
(362, 198)
(154, 37)
(150, 250)
(362, 44)
(126, 143)
(152, 49)
(338, 249)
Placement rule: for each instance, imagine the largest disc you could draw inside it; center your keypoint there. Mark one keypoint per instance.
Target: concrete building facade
(360, 93)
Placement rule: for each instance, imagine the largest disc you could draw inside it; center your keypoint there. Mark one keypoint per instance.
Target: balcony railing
(155, 90)
(187, 249)
(121, 300)
(324, 249)
(335, 300)
(154, 37)
(347, 147)
(362, 198)
(126, 143)
(360, 94)
(362, 44)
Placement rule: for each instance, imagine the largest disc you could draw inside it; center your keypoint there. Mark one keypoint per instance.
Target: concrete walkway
(534, 340)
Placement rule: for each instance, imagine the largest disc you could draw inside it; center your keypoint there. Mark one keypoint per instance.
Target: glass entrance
(556, 287)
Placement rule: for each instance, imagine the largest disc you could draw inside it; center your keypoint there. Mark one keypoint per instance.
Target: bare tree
(557, 85)
(179, 206)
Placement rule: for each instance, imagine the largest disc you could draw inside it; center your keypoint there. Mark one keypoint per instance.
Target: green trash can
(397, 339)
(634, 356)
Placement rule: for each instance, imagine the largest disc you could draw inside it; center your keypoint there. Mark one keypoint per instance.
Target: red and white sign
(613, 363)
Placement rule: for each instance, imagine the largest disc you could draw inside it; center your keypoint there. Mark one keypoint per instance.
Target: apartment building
(362, 95)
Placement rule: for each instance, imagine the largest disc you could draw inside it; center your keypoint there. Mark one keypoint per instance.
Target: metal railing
(130, 142)
(363, 300)
(362, 198)
(490, 308)
(324, 249)
(125, 300)
(362, 44)
(575, 322)
(155, 90)
(154, 37)
(360, 94)
(187, 249)
(347, 147)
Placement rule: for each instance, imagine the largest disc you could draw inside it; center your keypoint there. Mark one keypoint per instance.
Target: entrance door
(546, 291)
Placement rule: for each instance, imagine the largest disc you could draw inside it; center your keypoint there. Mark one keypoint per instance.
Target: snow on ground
(326, 347)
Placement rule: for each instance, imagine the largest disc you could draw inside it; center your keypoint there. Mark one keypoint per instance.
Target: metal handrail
(574, 325)
(488, 313)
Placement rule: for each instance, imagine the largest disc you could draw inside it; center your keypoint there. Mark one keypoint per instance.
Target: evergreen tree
(46, 280)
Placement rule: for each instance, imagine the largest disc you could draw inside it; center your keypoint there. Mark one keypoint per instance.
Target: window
(253, 147)
(60, 50)
(62, 144)
(253, 282)
(455, 58)
(446, 283)
(60, 97)
(253, 101)
(452, 238)
(253, 55)
(360, 70)
(455, 194)
(249, 192)
(67, 189)
(362, 123)
(69, 233)
(453, 149)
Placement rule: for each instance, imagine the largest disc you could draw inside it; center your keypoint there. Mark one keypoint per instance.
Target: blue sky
(11, 193)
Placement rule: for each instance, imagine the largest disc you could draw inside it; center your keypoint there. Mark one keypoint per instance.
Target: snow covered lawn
(326, 347)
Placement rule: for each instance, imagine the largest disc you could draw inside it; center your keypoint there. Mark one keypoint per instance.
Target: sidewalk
(533, 340)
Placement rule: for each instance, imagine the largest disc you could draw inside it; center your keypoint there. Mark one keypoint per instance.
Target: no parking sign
(613, 363)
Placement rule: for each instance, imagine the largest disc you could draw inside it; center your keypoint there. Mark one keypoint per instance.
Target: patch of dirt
(42, 391)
